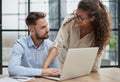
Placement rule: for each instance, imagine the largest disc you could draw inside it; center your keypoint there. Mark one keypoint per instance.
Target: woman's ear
(92, 18)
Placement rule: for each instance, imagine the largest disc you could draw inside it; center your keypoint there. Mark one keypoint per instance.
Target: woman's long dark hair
(101, 24)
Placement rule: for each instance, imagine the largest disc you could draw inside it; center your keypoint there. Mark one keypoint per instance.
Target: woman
(88, 26)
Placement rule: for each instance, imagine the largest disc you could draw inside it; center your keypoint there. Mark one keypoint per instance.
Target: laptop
(78, 62)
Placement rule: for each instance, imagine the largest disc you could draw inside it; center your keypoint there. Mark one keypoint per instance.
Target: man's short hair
(33, 17)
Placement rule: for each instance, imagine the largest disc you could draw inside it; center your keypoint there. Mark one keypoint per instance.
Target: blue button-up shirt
(27, 60)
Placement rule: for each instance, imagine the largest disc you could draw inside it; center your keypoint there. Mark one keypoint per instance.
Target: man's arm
(15, 67)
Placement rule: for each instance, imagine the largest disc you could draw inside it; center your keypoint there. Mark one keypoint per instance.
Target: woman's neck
(84, 31)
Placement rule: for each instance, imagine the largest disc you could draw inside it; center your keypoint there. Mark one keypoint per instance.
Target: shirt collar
(31, 43)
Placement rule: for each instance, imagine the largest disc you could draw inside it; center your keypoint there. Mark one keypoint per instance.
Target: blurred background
(12, 25)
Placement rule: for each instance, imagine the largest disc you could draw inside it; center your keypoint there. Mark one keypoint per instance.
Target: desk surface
(103, 75)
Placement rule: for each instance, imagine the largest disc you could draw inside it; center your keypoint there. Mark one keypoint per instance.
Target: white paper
(8, 79)
(22, 78)
(16, 79)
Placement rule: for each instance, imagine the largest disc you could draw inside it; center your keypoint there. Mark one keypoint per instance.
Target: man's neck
(36, 42)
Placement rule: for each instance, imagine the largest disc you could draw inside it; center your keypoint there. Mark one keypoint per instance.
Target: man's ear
(31, 28)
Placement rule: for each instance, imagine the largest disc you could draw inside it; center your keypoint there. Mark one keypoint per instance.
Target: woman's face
(83, 19)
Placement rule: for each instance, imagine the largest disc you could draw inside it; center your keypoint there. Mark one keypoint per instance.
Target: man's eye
(43, 27)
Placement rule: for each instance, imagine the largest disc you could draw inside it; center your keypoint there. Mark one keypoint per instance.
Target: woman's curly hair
(101, 24)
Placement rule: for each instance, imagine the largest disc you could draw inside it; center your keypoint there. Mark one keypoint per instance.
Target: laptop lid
(78, 62)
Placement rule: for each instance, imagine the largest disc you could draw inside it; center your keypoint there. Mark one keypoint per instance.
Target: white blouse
(69, 37)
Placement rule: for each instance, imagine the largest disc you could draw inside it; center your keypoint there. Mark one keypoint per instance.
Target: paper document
(22, 78)
(8, 79)
(16, 79)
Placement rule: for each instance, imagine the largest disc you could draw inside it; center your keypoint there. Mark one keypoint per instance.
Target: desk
(103, 75)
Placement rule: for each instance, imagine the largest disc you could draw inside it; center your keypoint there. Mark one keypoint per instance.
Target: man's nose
(48, 29)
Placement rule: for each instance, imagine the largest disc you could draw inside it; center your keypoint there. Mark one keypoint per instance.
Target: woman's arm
(52, 54)
(61, 42)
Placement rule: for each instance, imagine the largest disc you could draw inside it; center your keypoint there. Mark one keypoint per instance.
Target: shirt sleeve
(62, 39)
(15, 67)
(97, 62)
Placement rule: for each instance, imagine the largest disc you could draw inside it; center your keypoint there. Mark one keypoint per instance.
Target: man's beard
(41, 38)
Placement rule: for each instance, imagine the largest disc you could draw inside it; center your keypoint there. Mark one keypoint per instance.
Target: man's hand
(50, 72)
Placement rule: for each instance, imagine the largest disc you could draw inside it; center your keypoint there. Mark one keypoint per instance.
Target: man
(29, 53)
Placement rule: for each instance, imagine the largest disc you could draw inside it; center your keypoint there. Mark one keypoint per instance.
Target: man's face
(41, 30)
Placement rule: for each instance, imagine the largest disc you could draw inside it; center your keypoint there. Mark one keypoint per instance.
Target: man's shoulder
(22, 40)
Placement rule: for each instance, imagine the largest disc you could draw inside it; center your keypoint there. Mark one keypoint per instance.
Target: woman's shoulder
(68, 18)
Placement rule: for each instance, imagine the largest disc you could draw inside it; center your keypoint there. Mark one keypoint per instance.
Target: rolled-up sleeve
(62, 39)
(97, 62)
